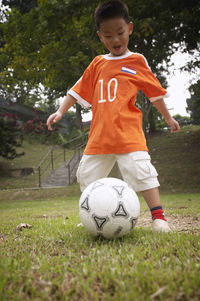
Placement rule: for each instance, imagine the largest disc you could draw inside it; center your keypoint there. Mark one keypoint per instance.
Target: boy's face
(114, 33)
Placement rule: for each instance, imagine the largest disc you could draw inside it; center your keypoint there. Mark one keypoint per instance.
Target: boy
(110, 85)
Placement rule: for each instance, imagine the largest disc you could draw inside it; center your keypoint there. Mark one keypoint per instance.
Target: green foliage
(70, 119)
(52, 42)
(152, 119)
(183, 120)
(42, 45)
(156, 37)
(23, 6)
(193, 103)
(10, 136)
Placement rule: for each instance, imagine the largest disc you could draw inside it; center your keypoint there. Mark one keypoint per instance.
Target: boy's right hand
(53, 119)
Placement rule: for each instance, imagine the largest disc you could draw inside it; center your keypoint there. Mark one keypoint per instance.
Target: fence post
(64, 155)
(69, 174)
(39, 174)
(79, 154)
(52, 166)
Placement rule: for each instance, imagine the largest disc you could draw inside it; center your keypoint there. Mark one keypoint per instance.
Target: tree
(183, 120)
(155, 36)
(23, 6)
(38, 51)
(52, 42)
(10, 136)
(193, 103)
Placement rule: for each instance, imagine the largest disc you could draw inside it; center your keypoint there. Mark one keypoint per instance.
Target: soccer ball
(109, 207)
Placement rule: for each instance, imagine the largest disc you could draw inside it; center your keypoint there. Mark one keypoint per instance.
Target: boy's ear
(99, 35)
(130, 28)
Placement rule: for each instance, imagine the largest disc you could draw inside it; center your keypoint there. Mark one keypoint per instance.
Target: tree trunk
(152, 125)
(79, 117)
(147, 108)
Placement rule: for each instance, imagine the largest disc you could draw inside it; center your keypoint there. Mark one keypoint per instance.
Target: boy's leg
(139, 173)
(94, 167)
(152, 197)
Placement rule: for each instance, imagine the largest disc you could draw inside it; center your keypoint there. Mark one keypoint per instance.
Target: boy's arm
(161, 107)
(68, 102)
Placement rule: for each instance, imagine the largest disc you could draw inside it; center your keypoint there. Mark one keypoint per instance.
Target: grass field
(56, 260)
(177, 160)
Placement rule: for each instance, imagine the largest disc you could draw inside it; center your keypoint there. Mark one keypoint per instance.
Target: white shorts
(136, 169)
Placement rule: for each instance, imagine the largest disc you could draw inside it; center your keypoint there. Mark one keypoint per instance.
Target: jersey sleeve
(82, 90)
(150, 85)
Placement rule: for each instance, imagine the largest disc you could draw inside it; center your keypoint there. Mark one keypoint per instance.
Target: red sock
(158, 213)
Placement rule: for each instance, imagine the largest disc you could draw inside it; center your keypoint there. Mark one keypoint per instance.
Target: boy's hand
(161, 107)
(53, 119)
(174, 125)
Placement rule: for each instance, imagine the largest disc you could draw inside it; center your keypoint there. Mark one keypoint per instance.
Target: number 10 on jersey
(111, 90)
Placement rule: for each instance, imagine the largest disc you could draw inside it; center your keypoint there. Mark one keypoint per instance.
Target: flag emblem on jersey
(128, 69)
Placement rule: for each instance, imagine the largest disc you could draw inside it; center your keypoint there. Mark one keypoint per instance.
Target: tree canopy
(52, 42)
(194, 102)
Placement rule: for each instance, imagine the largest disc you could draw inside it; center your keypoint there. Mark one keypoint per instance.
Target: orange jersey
(110, 85)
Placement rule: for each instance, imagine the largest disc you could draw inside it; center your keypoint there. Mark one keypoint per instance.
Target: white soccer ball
(109, 207)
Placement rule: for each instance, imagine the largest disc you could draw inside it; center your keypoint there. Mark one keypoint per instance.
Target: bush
(11, 136)
(183, 120)
(36, 128)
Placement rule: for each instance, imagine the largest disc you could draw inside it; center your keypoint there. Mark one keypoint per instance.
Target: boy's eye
(120, 33)
(107, 37)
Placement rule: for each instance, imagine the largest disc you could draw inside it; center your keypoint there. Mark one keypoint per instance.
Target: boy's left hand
(174, 125)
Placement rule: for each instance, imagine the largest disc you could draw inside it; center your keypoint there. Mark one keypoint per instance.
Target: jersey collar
(108, 57)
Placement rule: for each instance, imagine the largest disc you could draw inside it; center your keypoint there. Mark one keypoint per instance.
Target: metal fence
(59, 154)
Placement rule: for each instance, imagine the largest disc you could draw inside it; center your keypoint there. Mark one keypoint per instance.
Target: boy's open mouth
(117, 47)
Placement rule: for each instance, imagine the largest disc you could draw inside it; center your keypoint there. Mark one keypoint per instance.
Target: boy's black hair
(111, 9)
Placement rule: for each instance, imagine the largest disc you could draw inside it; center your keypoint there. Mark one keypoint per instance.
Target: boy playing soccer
(110, 85)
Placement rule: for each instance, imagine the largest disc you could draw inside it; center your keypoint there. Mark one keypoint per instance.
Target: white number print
(111, 94)
(101, 100)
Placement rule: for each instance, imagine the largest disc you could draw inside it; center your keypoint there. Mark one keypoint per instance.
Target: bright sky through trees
(179, 82)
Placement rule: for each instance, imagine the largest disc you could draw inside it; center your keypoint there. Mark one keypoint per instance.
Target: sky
(178, 84)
